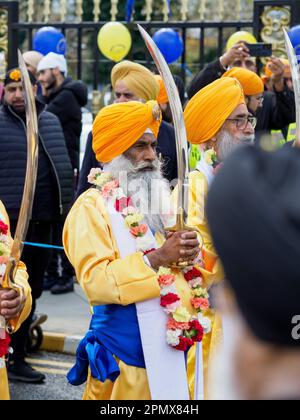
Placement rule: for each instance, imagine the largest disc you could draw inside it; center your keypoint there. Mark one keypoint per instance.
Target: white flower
(205, 323)
(173, 337)
(195, 282)
(168, 289)
(144, 244)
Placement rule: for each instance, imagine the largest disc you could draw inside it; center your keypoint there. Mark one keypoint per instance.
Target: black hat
(253, 210)
(14, 75)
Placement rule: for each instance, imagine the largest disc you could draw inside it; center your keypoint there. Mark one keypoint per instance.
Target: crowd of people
(158, 297)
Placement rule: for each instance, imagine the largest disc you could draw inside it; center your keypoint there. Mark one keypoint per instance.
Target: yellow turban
(251, 83)
(208, 110)
(137, 78)
(162, 97)
(117, 127)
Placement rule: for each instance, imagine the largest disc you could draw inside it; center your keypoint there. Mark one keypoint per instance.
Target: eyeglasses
(241, 123)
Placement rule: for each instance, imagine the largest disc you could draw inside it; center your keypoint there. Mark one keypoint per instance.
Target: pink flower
(172, 307)
(139, 231)
(200, 303)
(195, 282)
(4, 259)
(166, 280)
(109, 187)
(174, 325)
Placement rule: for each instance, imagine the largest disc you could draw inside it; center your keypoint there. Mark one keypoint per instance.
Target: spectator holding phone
(276, 109)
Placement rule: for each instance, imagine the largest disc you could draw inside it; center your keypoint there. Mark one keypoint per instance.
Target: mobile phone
(260, 49)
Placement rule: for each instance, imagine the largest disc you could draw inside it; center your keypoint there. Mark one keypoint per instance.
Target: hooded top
(66, 102)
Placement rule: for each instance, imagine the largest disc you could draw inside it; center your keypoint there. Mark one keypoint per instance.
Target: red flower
(169, 299)
(184, 344)
(4, 346)
(149, 252)
(122, 204)
(3, 228)
(192, 274)
(197, 330)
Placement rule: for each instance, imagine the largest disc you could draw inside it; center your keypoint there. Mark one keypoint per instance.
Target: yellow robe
(21, 280)
(214, 274)
(106, 279)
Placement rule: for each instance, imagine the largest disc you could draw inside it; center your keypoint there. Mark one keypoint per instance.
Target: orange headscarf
(208, 110)
(162, 96)
(117, 127)
(251, 83)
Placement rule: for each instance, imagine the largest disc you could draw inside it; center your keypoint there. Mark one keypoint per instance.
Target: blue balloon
(49, 39)
(170, 44)
(294, 35)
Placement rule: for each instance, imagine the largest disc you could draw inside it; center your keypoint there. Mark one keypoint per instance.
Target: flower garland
(4, 257)
(183, 329)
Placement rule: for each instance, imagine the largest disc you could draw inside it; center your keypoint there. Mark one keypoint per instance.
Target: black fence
(22, 30)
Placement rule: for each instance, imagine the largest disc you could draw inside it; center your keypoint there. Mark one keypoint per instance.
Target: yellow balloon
(114, 41)
(240, 36)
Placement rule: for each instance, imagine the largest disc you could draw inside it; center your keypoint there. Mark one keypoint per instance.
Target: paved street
(55, 367)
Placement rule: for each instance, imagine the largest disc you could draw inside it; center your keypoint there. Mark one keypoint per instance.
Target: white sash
(166, 367)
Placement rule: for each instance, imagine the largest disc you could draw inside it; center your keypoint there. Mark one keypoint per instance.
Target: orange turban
(250, 81)
(137, 78)
(117, 127)
(208, 110)
(162, 96)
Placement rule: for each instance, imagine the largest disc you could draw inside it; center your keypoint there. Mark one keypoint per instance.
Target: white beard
(226, 144)
(148, 189)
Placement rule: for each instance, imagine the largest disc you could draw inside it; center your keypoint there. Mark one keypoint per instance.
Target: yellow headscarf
(117, 127)
(208, 110)
(251, 83)
(162, 97)
(137, 78)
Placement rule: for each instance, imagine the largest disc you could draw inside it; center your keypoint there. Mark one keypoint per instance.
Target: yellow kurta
(211, 276)
(21, 280)
(107, 279)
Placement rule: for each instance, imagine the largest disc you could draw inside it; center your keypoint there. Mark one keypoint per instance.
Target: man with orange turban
(114, 237)
(134, 82)
(217, 122)
(277, 108)
(252, 85)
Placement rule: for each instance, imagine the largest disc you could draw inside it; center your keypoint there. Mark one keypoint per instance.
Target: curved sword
(180, 132)
(296, 81)
(30, 179)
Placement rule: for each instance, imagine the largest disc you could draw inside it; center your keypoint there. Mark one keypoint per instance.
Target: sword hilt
(182, 226)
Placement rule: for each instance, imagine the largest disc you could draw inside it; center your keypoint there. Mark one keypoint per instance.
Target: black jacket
(55, 174)
(66, 103)
(278, 110)
(166, 147)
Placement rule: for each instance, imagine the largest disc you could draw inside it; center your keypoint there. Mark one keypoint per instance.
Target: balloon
(294, 35)
(240, 36)
(49, 39)
(114, 41)
(170, 44)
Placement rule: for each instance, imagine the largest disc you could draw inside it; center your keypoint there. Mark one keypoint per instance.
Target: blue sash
(114, 331)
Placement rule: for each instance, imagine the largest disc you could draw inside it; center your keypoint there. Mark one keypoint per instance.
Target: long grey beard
(148, 189)
(226, 145)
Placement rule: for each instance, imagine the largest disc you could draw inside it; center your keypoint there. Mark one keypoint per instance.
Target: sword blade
(296, 81)
(31, 175)
(178, 119)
